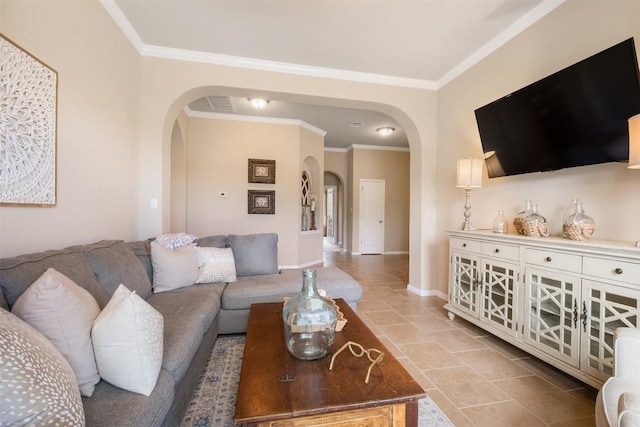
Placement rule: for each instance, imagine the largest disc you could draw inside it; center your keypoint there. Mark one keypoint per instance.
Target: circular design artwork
(28, 90)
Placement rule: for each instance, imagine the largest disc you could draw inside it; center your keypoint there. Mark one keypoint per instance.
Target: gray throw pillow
(254, 254)
(219, 241)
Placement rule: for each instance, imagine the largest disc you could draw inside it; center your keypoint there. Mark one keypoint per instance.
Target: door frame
(381, 218)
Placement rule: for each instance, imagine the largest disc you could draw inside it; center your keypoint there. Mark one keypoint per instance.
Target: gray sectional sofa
(193, 315)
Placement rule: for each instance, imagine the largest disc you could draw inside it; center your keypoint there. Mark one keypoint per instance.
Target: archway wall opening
(167, 86)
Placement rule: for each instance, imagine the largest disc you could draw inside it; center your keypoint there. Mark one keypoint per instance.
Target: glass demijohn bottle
(568, 213)
(309, 321)
(517, 221)
(578, 226)
(500, 224)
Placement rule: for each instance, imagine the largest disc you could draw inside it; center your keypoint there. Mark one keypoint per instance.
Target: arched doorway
(334, 208)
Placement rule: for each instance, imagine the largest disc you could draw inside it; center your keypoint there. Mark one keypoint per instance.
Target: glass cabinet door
(464, 282)
(499, 295)
(552, 314)
(605, 308)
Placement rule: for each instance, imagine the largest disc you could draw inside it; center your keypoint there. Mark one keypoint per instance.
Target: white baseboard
(426, 292)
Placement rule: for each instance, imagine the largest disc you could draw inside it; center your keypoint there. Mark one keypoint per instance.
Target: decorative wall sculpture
(28, 119)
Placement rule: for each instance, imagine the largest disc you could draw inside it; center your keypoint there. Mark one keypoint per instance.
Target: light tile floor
(475, 378)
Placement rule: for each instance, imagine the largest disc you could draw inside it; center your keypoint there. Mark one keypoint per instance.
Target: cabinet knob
(497, 250)
(548, 259)
(464, 245)
(618, 270)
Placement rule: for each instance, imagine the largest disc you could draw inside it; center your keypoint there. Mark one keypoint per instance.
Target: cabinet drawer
(612, 269)
(559, 260)
(500, 250)
(465, 245)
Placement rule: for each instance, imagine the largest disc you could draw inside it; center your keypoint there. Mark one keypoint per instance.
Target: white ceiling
(415, 43)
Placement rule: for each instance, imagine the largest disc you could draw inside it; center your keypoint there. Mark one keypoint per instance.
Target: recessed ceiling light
(356, 124)
(385, 131)
(258, 103)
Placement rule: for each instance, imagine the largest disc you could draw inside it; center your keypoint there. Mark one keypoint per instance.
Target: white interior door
(371, 216)
(331, 214)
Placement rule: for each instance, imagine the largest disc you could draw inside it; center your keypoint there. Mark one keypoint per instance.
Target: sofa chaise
(193, 315)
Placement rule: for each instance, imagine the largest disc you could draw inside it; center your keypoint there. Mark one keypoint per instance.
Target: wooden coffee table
(276, 389)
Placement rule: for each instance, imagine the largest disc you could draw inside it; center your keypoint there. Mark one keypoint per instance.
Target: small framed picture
(262, 171)
(262, 202)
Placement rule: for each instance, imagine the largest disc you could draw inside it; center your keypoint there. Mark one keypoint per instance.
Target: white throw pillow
(173, 268)
(215, 265)
(37, 385)
(128, 342)
(63, 312)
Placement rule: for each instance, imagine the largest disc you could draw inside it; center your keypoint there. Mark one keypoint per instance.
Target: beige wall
(167, 86)
(218, 151)
(393, 168)
(117, 110)
(98, 105)
(611, 192)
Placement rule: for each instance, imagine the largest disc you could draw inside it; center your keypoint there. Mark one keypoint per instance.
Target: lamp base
(467, 226)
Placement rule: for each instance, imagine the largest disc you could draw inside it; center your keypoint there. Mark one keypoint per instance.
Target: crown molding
(331, 73)
(255, 64)
(509, 33)
(284, 67)
(116, 14)
(377, 147)
(254, 119)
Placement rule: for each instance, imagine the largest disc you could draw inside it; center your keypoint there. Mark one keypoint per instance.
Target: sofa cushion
(254, 254)
(142, 250)
(37, 385)
(117, 265)
(274, 287)
(215, 265)
(113, 406)
(3, 302)
(173, 268)
(128, 342)
(188, 313)
(219, 241)
(18, 273)
(64, 313)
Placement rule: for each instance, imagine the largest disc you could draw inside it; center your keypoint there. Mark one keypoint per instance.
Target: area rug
(214, 400)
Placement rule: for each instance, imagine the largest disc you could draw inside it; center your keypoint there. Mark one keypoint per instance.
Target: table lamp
(634, 146)
(469, 176)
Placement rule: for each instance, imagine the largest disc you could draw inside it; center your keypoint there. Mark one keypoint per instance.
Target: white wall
(98, 104)
(610, 192)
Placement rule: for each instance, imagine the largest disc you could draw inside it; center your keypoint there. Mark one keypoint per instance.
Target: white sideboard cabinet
(557, 299)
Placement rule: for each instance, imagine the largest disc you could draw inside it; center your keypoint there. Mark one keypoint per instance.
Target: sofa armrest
(629, 410)
(627, 353)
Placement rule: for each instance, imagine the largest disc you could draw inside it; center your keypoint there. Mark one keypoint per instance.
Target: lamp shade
(634, 142)
(469, 173)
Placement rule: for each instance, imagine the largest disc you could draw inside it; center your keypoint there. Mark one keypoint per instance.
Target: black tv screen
(575, 117)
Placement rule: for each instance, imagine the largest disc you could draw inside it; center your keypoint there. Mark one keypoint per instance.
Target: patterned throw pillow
(128, 342)
(176, 240)
(37, 385)
(63, 312)
(215, 265)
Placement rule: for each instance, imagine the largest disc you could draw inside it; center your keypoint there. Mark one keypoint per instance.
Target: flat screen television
(575, 117)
